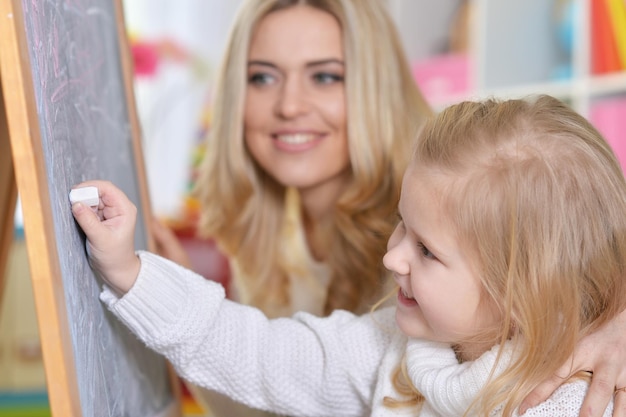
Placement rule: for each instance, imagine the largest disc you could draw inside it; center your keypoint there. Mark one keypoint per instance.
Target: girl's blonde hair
(242, 206)
(538, 198)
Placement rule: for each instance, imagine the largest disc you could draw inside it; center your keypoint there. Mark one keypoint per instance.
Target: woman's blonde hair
(243, 207)
(539, 200)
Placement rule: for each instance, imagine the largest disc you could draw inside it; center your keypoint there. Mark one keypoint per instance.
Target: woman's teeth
(297, 138)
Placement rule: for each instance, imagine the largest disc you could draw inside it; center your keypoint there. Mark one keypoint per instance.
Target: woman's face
(295, 109)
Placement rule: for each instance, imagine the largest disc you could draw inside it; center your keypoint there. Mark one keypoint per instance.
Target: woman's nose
(292, 101)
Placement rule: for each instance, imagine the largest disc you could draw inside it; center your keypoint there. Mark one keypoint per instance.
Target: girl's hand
(168, 245)
(602, 352)
(110, 232)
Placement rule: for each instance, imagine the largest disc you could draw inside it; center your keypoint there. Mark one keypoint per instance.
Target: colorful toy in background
(149, 54)
(608, 36)
(190, 210)
(205, 257)
(608, 55)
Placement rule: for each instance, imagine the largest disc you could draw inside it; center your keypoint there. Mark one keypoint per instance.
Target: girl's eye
(260, 78)
(425, 252)
(327, 78)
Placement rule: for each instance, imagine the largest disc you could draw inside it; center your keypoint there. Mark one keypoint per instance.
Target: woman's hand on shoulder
(602, 352)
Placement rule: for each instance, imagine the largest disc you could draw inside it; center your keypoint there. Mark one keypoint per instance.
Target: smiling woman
(305, 154)
(310, 136)
(295, 110)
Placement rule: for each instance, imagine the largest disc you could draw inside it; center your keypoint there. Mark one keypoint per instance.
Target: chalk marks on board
(86, 133)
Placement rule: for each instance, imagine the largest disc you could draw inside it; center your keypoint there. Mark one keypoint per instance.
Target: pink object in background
(145, 57)
(609, 117)
(443, 77)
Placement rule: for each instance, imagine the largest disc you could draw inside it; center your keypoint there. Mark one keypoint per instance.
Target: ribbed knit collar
(449, 386)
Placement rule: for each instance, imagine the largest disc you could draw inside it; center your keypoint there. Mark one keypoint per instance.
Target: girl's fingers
(86, 218)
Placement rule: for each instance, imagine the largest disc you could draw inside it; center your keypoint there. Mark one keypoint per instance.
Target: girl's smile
(405, 299)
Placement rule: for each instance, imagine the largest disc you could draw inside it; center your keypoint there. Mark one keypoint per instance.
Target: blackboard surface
(83, 121)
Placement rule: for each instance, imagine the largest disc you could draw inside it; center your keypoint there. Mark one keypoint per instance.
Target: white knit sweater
(305, 365)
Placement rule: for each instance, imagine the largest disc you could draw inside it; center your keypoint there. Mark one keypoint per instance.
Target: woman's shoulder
(566, 401)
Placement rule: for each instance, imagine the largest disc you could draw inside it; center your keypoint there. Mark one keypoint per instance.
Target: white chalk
(87, 195)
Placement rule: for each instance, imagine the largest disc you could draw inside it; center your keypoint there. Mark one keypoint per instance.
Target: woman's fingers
(604, 353)
(600, 393)
(619, 406)
(546, 388)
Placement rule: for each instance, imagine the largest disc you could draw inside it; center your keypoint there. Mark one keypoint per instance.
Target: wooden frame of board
(8, 195)
(26, 168)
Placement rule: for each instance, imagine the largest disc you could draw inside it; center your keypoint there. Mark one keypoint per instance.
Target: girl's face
(295, 109)
(440, 295)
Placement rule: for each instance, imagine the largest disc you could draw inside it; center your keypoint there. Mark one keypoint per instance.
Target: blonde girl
(536, 200)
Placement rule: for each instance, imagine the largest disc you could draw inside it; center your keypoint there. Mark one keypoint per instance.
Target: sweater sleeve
(304, 365)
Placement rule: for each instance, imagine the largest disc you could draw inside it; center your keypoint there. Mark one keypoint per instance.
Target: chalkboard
(67, 89)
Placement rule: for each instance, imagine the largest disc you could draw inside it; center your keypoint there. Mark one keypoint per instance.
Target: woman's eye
(425, 252)
(327, 78)
(260, 78)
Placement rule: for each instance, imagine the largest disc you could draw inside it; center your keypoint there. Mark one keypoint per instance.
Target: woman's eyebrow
(308, 64)
(325, 62)
(261, 63)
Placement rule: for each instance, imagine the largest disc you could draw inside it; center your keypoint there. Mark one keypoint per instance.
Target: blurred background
(457, 48)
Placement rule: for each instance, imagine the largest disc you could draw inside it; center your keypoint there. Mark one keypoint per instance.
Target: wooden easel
(57, 351)
(8, 195)
(23, 167)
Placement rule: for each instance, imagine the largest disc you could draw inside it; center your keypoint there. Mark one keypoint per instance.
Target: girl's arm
(302, 366)
(604, 353)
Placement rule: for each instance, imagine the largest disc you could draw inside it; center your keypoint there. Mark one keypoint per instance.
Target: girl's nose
(396, 259)
(292, 101)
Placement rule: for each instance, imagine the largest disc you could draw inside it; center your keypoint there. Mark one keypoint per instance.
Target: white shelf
(515, 50)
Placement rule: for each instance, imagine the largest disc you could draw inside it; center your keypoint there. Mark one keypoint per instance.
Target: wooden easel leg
(8, 195)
